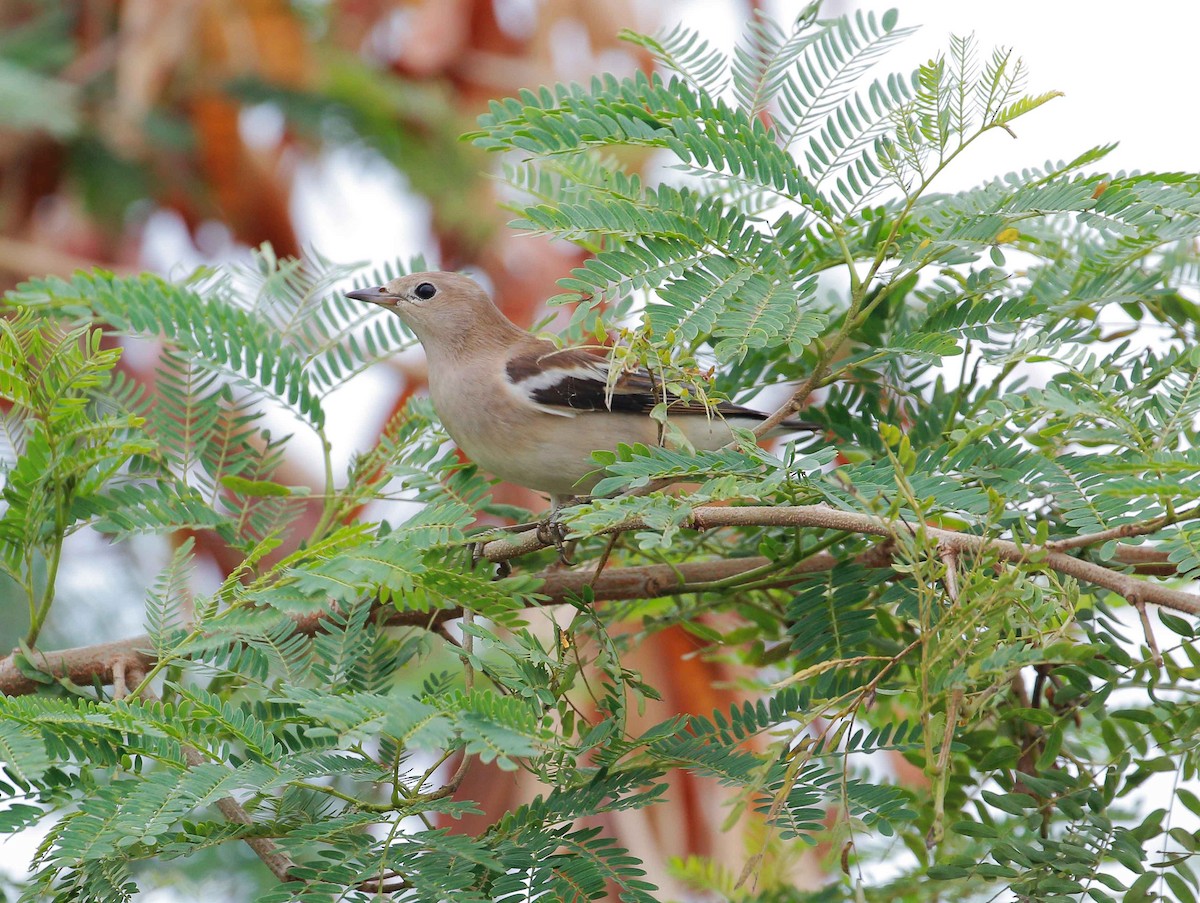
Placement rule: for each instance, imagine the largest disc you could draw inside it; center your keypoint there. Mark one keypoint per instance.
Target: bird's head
(446, 311)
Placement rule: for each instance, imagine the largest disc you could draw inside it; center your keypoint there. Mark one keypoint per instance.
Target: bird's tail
(794, 425)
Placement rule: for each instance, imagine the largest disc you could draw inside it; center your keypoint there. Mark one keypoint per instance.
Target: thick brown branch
(82, 665)
(1146, 560)
(279, 862)
(1135, 590)
(98, 663)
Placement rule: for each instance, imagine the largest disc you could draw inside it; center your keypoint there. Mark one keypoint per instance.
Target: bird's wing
(570, 381)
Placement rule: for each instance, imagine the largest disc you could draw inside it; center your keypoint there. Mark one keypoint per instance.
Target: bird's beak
(377, 295)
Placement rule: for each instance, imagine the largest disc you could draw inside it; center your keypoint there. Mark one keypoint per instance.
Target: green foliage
(1016, 363)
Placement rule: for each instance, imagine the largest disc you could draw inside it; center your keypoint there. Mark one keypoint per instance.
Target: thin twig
(604, 556)
(119, 684)
(1148, 629)
(468, 648)
(272, 856)
(937, 829)
(793, 404)
(950, 559)
(1123, 531)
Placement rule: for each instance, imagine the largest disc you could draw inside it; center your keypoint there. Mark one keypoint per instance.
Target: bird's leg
(475, 548)
(503, 568)
(548, 529)
(552, 531)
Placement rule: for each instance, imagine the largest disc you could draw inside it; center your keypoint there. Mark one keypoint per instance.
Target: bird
(524, 409)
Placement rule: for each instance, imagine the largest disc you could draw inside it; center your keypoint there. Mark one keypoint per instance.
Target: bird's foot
(503, 568)
(554, 532)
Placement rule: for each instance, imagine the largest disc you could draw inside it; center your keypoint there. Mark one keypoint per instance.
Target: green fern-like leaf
(683, 51)
(824, 621)
(205, 323)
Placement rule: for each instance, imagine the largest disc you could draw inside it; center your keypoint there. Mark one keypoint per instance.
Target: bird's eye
(426, 290)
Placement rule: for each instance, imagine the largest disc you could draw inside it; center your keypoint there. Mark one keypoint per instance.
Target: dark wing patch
(728, 409)
(574, 379)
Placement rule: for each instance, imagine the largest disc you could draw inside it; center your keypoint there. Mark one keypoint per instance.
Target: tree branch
(1123, 531)
(274, 858)
(793, 404)
(87, 664)
(82, 665)
(1134, 590)
(101, 662)
(1146, 560)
